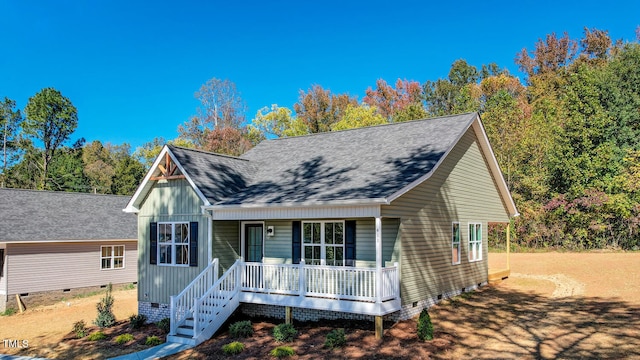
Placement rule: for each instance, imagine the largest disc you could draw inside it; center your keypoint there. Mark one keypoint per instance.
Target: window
(323, 243)
(173, 243)
(112, 257)
(475, 241)
(455, 243)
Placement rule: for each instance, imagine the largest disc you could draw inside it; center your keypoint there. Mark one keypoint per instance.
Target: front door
(254, 236)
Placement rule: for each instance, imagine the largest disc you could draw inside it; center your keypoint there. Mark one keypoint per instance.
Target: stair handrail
(234, 270)
(182, 304)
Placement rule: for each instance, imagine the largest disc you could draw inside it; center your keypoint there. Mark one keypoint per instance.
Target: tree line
(567, 136)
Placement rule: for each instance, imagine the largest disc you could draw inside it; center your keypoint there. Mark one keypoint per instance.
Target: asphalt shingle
(30, 215)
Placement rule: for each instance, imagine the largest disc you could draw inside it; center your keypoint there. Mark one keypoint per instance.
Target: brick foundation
(301, 314)
(154, 311)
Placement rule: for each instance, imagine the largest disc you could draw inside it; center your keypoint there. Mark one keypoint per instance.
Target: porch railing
(182, 304)
(334, 282)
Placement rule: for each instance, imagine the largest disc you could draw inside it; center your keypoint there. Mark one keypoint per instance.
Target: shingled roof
(29, 215)
(364, 165)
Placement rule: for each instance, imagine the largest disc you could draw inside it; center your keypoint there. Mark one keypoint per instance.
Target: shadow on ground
(492, 323)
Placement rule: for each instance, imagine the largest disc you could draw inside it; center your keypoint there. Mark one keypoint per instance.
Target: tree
(128, 174)
(221, 106)
(392, 103)
(319, 109)
(548, 56)
(99, 166)
(359, 116)
(456, 94)
(66, 170)
(278, 121)
(50, 118)
(10, 120)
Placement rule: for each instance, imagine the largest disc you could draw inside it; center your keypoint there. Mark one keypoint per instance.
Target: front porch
(203, 306)
(334, 288)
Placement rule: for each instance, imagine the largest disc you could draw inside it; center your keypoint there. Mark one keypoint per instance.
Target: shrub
(335, 339)
(282, 351)
(98, 335)
(233, 348)
(164, 325)
(105, 314)
(80, 329)
(137, 321)
(8, 312)
(284, 333)
(153, 341)
(425, 327)
(241, 329)
(124, 338)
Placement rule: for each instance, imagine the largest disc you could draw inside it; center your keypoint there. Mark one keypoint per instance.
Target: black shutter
(350, 242)
(296, 243)
(153, 241)
(193, 244)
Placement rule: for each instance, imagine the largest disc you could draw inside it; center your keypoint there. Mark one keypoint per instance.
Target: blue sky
(131, 68)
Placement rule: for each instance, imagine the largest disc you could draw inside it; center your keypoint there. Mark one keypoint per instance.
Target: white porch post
(378, 259)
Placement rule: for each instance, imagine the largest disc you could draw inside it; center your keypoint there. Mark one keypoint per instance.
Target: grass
(8, 312)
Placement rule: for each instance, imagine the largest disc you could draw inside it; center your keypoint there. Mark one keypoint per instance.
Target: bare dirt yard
(554, 305)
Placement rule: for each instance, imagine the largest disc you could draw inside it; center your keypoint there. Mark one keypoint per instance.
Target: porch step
(185, 330)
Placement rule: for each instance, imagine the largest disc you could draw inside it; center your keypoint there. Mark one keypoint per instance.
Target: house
(359, 224)
(54, 244)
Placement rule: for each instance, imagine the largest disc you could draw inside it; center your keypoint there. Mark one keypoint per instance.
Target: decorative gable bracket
(168, 171)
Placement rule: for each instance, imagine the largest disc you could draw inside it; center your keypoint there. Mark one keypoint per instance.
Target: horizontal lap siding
(3, 271)
(278, 248)
(366, 242)
(171, 201)
(56, 266)
(462, 190)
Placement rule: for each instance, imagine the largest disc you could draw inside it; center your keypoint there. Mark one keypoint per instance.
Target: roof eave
(330, 203)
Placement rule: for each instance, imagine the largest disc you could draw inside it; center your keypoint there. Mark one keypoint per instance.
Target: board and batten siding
(36, 267)
(168, 201)
(461, 190)
(226, 242)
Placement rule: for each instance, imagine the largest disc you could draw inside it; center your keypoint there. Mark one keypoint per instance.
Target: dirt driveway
(554, 305)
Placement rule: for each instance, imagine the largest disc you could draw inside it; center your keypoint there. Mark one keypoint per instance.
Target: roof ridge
(374, 126)
(64, 192)
(206, 152)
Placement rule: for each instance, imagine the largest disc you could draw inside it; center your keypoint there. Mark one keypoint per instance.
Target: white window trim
(323, 246)
(113, 257)
(173, 244)
(479, 253)
(453, 243)
(242, 239)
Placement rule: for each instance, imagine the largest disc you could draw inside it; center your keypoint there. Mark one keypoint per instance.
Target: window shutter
(350, 242)
(153, 241)
(296, 235)
(193, 244)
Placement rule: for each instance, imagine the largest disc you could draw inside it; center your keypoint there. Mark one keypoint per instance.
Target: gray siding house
(60, 241)
(368, 223)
